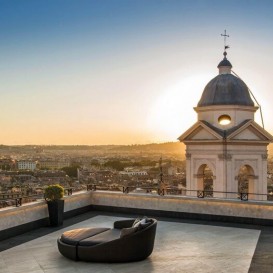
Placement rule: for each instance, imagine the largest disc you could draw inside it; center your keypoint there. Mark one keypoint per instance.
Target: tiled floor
(179, 247)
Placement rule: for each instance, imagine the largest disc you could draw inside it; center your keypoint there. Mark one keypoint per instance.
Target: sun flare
(172, 112)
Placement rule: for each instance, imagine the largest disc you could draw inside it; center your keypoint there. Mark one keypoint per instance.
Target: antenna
(161, 172)
(260, 107)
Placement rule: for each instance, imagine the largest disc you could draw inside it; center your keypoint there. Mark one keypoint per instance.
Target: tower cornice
(225, 107)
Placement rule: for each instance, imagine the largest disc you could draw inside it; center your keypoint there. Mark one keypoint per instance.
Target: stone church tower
(226, 142)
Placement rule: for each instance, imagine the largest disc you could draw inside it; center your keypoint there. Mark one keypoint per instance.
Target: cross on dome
(225, 40)
(225, 66)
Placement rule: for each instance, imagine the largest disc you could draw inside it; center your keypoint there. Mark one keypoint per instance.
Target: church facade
(226, 150)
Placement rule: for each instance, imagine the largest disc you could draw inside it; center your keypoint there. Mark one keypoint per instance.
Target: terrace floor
(180, 246)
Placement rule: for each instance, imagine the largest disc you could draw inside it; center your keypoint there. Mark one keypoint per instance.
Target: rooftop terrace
(182, 244)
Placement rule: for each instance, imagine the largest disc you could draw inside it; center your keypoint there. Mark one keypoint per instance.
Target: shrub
(53, 192)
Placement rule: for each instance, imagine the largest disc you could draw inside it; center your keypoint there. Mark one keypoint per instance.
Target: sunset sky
(123, 71)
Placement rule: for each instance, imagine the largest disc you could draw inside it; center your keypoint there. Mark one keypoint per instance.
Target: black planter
(56, 212)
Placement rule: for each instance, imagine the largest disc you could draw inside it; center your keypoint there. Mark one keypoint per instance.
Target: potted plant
(53, 194)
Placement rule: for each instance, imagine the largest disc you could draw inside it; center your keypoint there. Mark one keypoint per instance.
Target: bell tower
(226, 150)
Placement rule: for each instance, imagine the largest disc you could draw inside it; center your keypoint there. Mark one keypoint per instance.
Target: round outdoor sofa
(127, 241)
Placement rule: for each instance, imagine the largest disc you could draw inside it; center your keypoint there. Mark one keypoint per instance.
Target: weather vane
(225, 40)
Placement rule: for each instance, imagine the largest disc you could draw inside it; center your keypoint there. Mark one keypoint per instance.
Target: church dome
(225, 89)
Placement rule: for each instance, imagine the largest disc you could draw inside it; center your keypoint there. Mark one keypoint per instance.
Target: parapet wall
(11, 217)
(191, 206)
(24, 218)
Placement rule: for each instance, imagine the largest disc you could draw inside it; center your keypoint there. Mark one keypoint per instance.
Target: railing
(240, 195)
(68, 191)
(149, 190)
(159, 191)
(10, 199)
(243, 196)
(91, 187)
(17, 199)
(10, 195)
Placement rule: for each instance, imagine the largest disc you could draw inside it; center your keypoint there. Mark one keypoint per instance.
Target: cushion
(136, 222)
(142, 223)
(127, 231)
(139, 221)
(106, 236)
(72, 237)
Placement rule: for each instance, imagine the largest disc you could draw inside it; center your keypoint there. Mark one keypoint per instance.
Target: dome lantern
(225, 66)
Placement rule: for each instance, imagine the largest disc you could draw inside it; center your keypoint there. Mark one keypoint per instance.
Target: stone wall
(30, 212)
(17, 216)
(232, 208)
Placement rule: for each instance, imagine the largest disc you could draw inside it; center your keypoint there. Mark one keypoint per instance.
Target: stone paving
(179, 247)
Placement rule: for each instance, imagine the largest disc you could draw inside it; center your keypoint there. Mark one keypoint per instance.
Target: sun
(172, 112)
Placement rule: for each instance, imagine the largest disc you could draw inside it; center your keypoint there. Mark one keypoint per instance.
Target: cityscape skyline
(123, 72)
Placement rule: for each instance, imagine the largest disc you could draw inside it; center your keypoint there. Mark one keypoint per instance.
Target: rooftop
(191, 245)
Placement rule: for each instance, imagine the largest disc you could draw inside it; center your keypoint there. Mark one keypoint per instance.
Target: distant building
(23, 178)
(133, 173)
(85, 175)
(53, 164)
(26, 165)
(7, 164)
